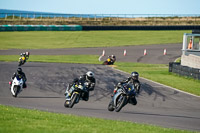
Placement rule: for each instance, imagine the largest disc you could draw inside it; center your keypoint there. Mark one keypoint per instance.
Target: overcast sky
(105, 6)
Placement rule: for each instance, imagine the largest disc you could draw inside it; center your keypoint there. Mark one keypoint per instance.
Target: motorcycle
(108, 62)
(78, 92)
(22, 60)
(16, 86)
(122, 97)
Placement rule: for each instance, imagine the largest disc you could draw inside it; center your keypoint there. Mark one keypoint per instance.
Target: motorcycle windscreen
(131, 89)
(18, 77)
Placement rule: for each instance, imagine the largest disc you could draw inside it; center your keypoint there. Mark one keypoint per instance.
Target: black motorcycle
(108, 62)
(122, 97)
(78, 93)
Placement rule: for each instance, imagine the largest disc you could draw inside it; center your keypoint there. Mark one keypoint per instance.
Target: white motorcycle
(17, 85)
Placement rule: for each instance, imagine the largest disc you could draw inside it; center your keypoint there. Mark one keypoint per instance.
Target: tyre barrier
(88, 28)
(40, 27)
(184, 70)
(176, 27)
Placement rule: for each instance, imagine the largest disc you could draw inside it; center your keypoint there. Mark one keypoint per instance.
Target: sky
(105, 6)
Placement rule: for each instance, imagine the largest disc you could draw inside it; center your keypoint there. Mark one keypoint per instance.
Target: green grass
(74, 39)
(84, 59)
(159, 73)
(24, 120)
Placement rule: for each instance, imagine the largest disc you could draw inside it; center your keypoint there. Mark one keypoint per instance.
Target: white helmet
(27, 53)
(90, 74)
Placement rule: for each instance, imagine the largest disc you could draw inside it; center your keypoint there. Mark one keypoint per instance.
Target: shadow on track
(151, 90)
(88, 108)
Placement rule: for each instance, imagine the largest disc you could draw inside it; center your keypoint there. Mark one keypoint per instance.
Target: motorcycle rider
(133, 79)
(88, 79)
(20, 74)
(112, 59)
(26, 55)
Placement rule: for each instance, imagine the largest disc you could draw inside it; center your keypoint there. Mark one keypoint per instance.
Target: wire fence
(94, 16)
(98, 19)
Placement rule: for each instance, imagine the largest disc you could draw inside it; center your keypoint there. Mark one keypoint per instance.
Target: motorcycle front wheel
(16, 90)
(66, 104)
(105, 63)
(111, 106)
(73, 100)
(20, 63)
(120, 103)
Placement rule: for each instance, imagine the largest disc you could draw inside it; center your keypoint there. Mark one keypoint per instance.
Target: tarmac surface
(157, 104)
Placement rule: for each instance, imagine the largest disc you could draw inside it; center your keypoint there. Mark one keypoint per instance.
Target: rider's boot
(24, 85)
(86, 96)
(133, 100)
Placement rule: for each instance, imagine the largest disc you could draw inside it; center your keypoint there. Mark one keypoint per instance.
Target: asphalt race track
(157, 104)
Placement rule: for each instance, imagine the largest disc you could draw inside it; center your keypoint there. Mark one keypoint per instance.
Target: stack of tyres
(196, 73)
(184, 70)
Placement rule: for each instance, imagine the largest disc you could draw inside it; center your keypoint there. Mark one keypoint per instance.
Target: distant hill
(24, 12)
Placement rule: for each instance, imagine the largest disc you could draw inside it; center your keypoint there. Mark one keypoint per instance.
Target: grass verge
(74, 39)
(84, 59)
(14, 119)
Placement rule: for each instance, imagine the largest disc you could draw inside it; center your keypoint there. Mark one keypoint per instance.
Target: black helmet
(90, 75)
(135, 75)
(19, 70)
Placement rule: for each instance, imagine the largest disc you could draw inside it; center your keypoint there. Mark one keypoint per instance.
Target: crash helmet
(27, 53)
(19, 70)
(112, 56)
(135, 75)
(90, 75)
